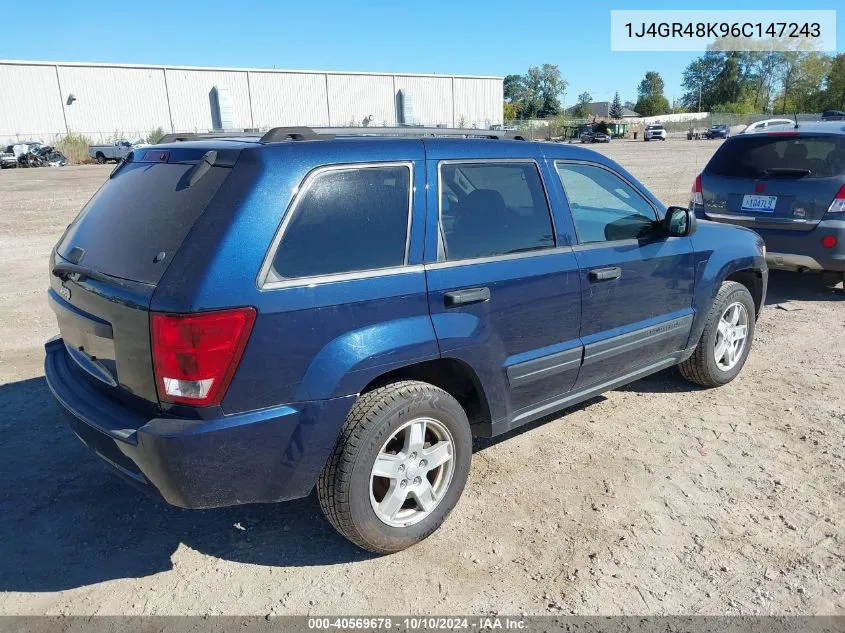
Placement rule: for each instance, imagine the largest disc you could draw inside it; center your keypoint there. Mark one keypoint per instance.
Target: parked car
(224, 341)
(113, 151)
(788, 185)
(586, 136)
(654, 132)
(601, 137)
(717, 131)
(8, 159)
(833, 115)
(761, 125)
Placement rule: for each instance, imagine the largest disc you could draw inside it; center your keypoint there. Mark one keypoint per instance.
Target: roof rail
(301, 133)
(178, 137)
(277, 134)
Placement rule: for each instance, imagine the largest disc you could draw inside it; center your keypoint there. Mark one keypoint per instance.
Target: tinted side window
(604, 207)
(347, 220)
(489, 209)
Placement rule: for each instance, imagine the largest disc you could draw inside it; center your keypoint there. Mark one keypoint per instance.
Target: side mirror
(679, 222)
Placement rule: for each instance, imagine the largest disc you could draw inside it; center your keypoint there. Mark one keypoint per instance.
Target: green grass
(75, 147)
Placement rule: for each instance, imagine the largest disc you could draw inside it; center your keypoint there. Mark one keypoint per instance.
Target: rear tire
(378, 488)
(720, 354)
(101, 158)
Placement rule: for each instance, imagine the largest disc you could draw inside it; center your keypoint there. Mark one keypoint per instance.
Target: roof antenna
(795, 116)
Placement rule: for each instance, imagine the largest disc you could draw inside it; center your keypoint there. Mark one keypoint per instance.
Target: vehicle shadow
(480, 444)
(68, 522)
(788, 286)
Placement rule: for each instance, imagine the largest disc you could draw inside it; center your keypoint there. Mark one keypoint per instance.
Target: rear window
(144, 210)
(780, 157)
(347, 220)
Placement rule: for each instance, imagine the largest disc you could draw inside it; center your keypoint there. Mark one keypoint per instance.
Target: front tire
(726, 340)
(398, 468)
(101, 158)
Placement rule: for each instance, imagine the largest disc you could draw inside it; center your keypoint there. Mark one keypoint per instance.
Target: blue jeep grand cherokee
(245, 318)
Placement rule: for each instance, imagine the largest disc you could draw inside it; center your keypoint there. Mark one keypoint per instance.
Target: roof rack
(277, 134)
(301, 133)
(178, 137)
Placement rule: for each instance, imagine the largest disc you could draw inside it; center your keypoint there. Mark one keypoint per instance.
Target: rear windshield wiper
(66, 270)
(789, 172)
(202, 167)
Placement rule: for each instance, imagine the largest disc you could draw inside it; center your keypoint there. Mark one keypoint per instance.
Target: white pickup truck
(113, 151)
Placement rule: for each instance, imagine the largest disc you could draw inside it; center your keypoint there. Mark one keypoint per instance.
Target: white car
(761, 125)
(654, 132)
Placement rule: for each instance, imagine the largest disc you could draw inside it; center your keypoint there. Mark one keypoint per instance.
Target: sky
(473, 37)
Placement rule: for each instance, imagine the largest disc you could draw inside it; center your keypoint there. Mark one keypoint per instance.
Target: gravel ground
(659, 498)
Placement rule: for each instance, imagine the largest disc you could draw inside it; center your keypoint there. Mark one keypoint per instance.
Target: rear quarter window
(346, 220)
(774, 156)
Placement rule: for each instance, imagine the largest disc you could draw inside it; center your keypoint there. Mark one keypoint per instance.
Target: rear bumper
(789, 250)
(797, 250)
(261, 456)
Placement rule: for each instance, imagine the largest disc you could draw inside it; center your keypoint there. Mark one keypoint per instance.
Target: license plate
(759, 203)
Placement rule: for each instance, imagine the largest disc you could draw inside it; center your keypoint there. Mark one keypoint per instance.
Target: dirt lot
(659, 498)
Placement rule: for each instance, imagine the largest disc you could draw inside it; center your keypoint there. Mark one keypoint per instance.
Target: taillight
(829, 241)
(838, 204)
(196, 355)
(697, 196)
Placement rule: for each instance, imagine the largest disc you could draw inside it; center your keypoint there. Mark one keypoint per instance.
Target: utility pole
(699, 97)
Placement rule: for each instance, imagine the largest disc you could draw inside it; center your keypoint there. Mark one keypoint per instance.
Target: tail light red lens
(838, 204)
(829, 241)
(196, 355)
(697, 195)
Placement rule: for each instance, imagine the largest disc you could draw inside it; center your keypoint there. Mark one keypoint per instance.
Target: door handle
(466, 296)
(605, 274)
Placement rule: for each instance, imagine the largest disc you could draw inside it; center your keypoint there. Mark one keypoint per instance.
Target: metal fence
(563, 128)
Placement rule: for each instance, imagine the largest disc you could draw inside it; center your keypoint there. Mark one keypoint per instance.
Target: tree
(788, 81)
(548, 85)
(509, 111)
(651, 98)
(834, 96)
(700, 79)
(514, 88)
(536, 93)
(616, 107)
(582, 109)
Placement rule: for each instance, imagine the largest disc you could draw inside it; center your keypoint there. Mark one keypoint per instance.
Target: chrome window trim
(588, 163)
(483, 161)
(318, 280)
(262, 281)
(540, 252)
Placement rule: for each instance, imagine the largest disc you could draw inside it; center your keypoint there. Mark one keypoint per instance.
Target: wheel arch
(455, 377)
(752, 279)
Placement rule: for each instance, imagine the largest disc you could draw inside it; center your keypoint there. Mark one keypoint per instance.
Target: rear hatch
(778, 180)
(106, 267)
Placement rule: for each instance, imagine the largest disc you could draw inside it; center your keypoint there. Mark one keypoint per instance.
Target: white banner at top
(727, 30)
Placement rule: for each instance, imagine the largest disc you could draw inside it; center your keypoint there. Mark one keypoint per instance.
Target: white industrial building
(45, 100)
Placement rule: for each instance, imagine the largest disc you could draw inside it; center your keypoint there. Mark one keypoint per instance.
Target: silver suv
(654, 132)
